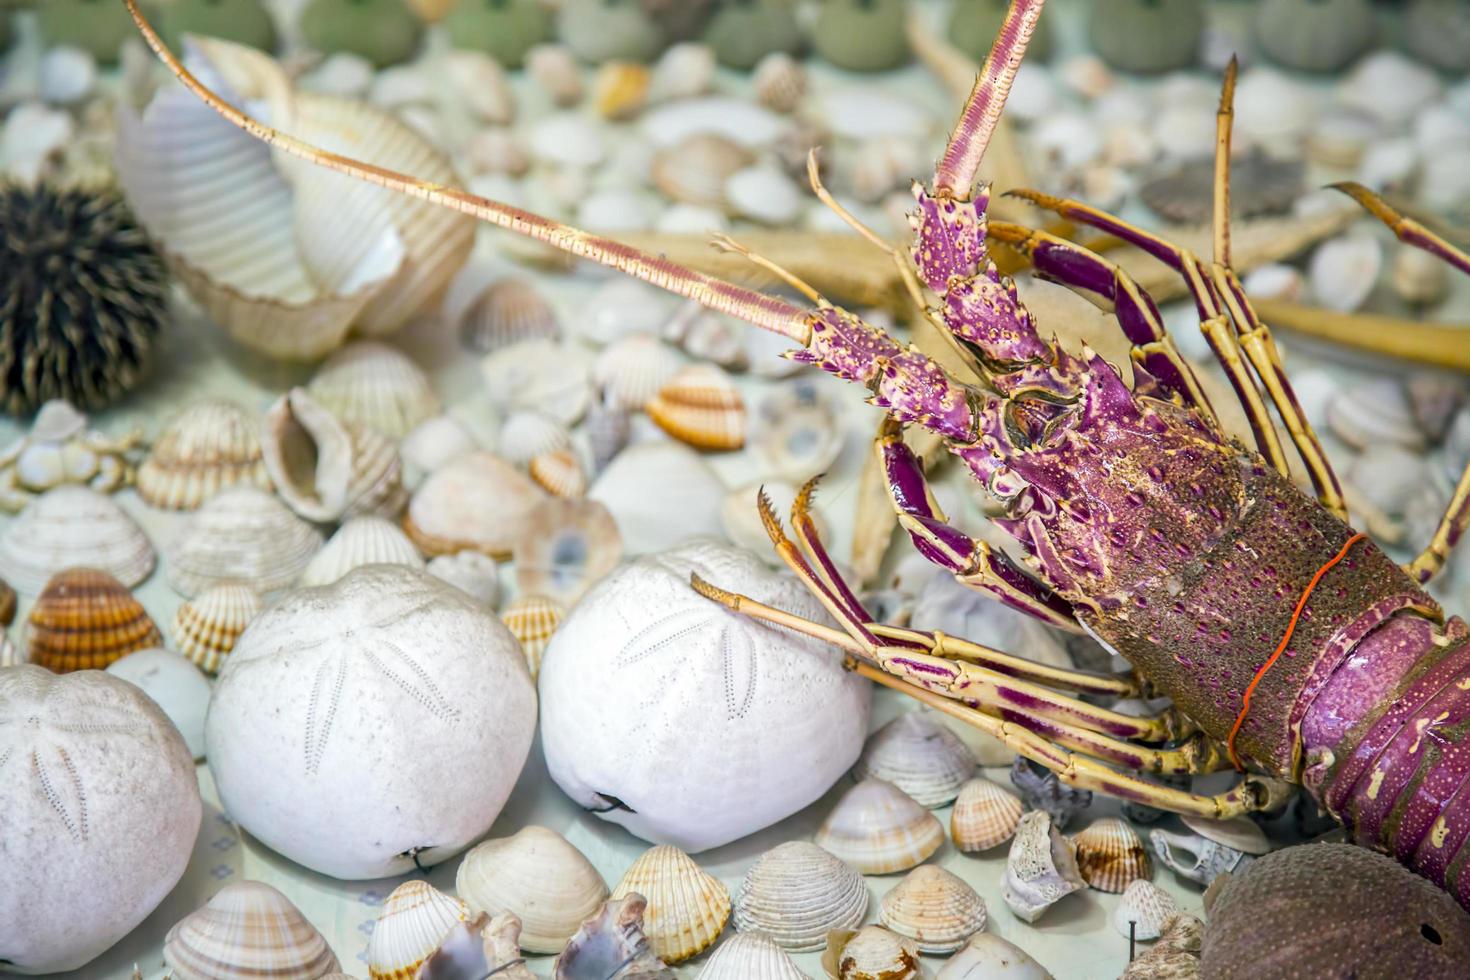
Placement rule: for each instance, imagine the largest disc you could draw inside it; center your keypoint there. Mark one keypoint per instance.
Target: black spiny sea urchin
(82, 297)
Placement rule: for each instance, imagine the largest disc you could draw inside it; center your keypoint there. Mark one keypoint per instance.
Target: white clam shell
(1375, 412)
(661, 494)
(241, 534)
(248, 929)
(1143, 910)
(376, 385)
(1241, 833)
(482, 85)
(1041, 867)
(415, 919)
(477, 501)
(694, 170)
(569, 140)
(763, 193)
(175, 685)
(933, 907)
(73, 526)
(432, 443)
(206, 627)
(1390, 86)
(474, 574)
(1272, 108)
(863, 112)
(682, 72)
(687, 906)
(210, 445)
(539, 374)
(796, 893)
(325, 468)
(993, 958)
(1418, 277)
(750, 956)
(360, 541)
(879, 829)
(919, 755)
(1344, 270)
(780, 82)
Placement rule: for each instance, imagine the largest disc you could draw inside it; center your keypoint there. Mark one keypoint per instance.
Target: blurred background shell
(505, 30)
(1315, 35)
(741, 34)
(376, 385)
(385, 32)
(1147, 36)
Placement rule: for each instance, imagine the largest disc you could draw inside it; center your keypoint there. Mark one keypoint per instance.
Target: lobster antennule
(764, 311)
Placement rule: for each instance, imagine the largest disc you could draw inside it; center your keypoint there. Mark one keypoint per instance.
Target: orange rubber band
(1245, 701)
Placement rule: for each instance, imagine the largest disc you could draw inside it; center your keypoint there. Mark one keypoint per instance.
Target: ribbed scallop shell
(478, 501)
(414, 921)
(208, 446)
(325, 468)
(985, 815)
(878, 829)
(565, 547)
(797, 893)
(871, 953)
(750, 956)
(701, 407)
(247, 931)
(544, 375)
(694, 170)
(528, 434)
(241, 534)
(1144, 907)
(1111, 855)
(631, 370)
(206, 627)
(508, 312)
(920, 756)
(687, 907)
(934, 908)
(360, 541)
(559, 473)
(86, 619)
(533, 619)
(537, 875)
(69, 527)
(375, 385)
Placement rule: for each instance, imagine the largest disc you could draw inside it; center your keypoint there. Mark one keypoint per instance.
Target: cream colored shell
(919, 755)
(376, 385)
(507, 312)
(241, 534)
(325, 468)
(414, 921)
(565, 547)
(70, 527)
(878, 829)
(985, 815)
(1111, 855)
(360, 541)
(750, 956)
(630, 371)
(933, 907)
(477, 501)
(687, 907)
(871, 953)
(559, 474)
(206, 627)
(246, 931)
(210, 445)
(537, 875)
(1143, 910)
(796, 893)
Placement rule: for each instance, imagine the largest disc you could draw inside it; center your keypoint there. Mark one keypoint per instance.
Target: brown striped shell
(507, 312)
(934, 908)
(85, 619)
(532, 619)
(1111, 855)
(206, 627)
(247, 931)
(985, 815)
(701, 407)
(878, 829)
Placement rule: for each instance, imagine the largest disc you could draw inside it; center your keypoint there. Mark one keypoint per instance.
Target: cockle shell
(687, 906)
(206, 627)
(701, 407)
(1142, 911)
(661, 494)
(630, 371)
(1111, 855)
(750, 956)
(559, 474)
(566, 547)
(920, 756)
(879, 829)
(85, 619)
(985, 815)
(611, 946)
(796, 893)
(556, 71)
(477, 501)
(1374, 412)
(248, 929)
(871, 953)
(532, 620)
(325, 468)
(780, 82)
(175, 685)
(474, 574)
(694, 170)
(360, 541)
(542, 374)
(431, 444)
(376, 385)
(102, 791)
(70, 527)
(989, 957)
(1041, 867)
(934, 908)
(210, 445)
(796, 431)
(508, 312)
(540, 877)
(415, 919)
(241, 534)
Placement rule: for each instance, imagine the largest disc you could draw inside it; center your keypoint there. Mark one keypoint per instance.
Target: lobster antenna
(955, 174)
(1224, 122)
(764, 311)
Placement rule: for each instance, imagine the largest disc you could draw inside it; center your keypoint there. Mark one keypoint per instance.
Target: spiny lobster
(1291, 647)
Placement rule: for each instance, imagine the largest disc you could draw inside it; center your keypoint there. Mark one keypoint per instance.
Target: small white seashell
(529, 433)
(630, 371)
(687, 906)
(1387, 476)
(1419, 278)
(73, 526)
(565, 547)
(1339, 137)
(1375, 412)
(568, 140)
(533, 620)
(507, 312)
(482, 84)
(750, 956)
(1033, 94)
(537, 875)
(985, 815)
(325, 468)
(1067, 140)
(1344, 270)
(477, 575)
(1275, 280)
(360, 541)
(796, 893)
(416, 918)
(1041, 867)
(615, 210)
(1087, 75)
(432, 443)
(744, 122)
(31, 138)
(248, 929)
(401, 86)
(1143, 910)
(990, 957)
(1444, 184)
(68, 75)
(933, 907)
(620, 307)
(376, 385)
(920, 756)
(241, 533)
(1241, 833)
(780, 82)
(691, 219)
(683, 71)
(475, 502)
(1272, 108)
(1389, 164)
(1390, 86)
(694, 171)
(660, 493)
(1111, 855)
(871, 953)
(1435, 397)
(1438, 128)
(343, 74)
(206, 627)
(863, 112)
(879, 829)
(542, 375)
(174, 684)
(796, 431)
(556, 70)
(208, 446)
(1183, 132)
(883, 166)
(497, 151)
(764, 194)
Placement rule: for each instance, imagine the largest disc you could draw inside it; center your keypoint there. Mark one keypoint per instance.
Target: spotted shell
(559, 473)
(934, 908)
(871, 953)
(375, 385)
(414, 921)
(1111, 855)
(507, 312)
(750, 956)
(796, 893)
(533, 619)
(920, 756)
(241, 534)
(206, 627)
(360, 541)
(85, 619)
(209, 445)
(631, 370)
(701, 407)
(68, 527)
(248, 930)
(687, 907)
(985, 815)
(878, 829)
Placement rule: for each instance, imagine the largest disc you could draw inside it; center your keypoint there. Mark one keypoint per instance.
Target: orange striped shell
(533, 619)
(206, 627)
(85, 619)
(700, 406)
(559, 473)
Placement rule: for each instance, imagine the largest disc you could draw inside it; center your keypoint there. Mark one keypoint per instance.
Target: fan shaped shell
(533, 619)
(920, 756)
(750, 956)
(1143, 910)
(700, 406)
(85, 619)
(478, 501)
(934, 908)
(375, 385)
(248, 930)
(985, 815)
(414, 921)
(241, 534)
(206, 627)
(1111, 855)
(70, 527)
(559, 474)
(879, 829)
(630, 371)
(687, 906)
(508, 312)
(537, 875)
(208, 446)
(360, 541)
(796, 893)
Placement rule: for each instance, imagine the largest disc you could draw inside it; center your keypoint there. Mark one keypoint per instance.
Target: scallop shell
(620, 89)
(556, 70)
(1143, 910)
(871, 953)
(694, 170)
(360, 541)
(68, 527)
(414, 921)
(796, 431)
(241, 533)
(432, 443)
(701, 407)
(687, 907)
(206, 627)
(559, 474)
(539, 374)
(508, 312)
(565, 547)
(934, 908)
(376, 385)
(920, 756)
(325, 468)
(750, 956)
(529, 433)
(1111, 855)
(478, 501)
(471, 572)
(797, 893)
(532, 620)
(985, 815)
(538, 876)
(630, 371)
(248, 930)
(879, 829)
(1041, 867)
(85, 619)
(780, 82)
(208, 446)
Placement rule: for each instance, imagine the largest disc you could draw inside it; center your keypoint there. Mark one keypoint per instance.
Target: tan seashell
(508, 312)
(694, 170)
(1143, 910)
(541, 374)
(325, 468)
(630, 371)
(780, 82)
(796, 893)
(559, 474)
(985, 815)
(1041, 867)
(920, 756)
(415, 919)
(565, 547)
(871, 953)
(750, 956)
(934, 908)
(620, 89)
(533, 619)
(360, 541)
(7, 603)
(86, 619)
(376, 385)
(529, 433)
(208, 446)
(1419, 278)
(496, 151)
(1111, 855)
(540, 877)
(701, 407)
(68, 527)
(206, 627)
(687, 907)
(683, 71)
(879, 829)
(477, 502)
(556, 70)
(482, 84)
(247, 931)
(241, 534)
